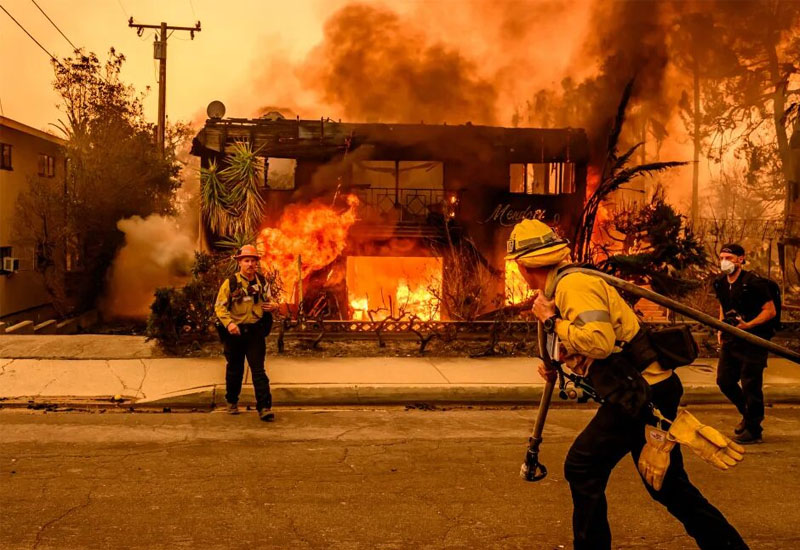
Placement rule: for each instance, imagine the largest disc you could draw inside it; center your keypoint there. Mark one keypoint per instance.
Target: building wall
(24, 289)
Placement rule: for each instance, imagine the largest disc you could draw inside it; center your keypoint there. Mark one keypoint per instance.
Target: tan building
(27, 157)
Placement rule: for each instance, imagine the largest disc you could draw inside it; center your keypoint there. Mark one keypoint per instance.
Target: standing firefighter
(591, 329)
(746, 302)
(244, 309)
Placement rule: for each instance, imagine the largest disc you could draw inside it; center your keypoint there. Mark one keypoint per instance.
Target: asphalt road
(381, 478)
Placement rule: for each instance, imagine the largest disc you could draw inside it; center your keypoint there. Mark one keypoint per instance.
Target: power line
(122, 8)
(51, 56)
(56, 26)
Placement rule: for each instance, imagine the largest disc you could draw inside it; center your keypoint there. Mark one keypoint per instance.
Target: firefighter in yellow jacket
(244, 308)
(599, 335)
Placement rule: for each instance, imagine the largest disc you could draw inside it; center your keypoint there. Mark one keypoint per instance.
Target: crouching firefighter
(244, 310)
(593, 331)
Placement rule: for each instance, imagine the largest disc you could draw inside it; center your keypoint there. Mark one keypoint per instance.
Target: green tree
(115, 171)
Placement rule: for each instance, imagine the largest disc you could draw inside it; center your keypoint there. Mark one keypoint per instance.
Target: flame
(314, 231)
(391, 286)
(517, 289)
(360, 307)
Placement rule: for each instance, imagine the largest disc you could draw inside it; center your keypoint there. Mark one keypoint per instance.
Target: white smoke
(156, 253)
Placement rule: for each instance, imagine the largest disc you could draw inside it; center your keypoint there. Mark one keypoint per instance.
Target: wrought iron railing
(412, 204)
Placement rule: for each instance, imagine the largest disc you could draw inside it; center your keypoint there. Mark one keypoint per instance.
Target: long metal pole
(162, 88)
(692, 313)
(300, 285)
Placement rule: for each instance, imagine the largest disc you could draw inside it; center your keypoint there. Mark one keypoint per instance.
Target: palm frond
(623, 160)
(214, 205)
(243, 175)
(619, 119)
(628, 174)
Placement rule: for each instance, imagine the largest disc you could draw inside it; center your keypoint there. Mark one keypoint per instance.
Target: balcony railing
(413, 205)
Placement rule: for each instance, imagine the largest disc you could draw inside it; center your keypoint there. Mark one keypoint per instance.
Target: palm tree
(242, 176)
(232, 203)
(214, 201)
(615, 174)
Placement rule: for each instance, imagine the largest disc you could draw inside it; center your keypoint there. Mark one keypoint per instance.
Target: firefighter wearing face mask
(601, 338)
(747, 303)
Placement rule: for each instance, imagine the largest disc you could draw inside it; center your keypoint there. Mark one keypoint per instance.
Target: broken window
(545, 178)
(280, 173)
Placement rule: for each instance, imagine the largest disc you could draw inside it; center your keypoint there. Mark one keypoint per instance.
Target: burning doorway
(383, 286)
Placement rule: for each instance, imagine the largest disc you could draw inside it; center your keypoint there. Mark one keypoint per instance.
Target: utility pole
(160, 53)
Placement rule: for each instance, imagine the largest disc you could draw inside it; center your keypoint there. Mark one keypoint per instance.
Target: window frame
(6, 150)
(553, 184)
(46, 166)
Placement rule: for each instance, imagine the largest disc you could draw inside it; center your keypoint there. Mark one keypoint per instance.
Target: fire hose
(532, 469)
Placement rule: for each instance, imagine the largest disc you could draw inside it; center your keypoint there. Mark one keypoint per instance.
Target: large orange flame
(315, 231)
(380, 287)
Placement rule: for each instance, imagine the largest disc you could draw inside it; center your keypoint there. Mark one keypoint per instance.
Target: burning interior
(375, 221)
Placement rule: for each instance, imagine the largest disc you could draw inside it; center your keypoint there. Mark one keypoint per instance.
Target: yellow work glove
(705, 441)
(654, 460)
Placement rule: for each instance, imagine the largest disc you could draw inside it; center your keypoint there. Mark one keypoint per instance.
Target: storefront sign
(507, 216)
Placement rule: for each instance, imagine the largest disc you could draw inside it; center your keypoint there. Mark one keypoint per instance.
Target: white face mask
(727, 266)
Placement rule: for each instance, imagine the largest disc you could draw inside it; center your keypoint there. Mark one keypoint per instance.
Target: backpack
(266, 319)
(774, 324)
(673, 346)
(233, 283)
(775, 292)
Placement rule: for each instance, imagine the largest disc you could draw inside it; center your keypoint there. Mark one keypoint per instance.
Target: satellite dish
(216, 109)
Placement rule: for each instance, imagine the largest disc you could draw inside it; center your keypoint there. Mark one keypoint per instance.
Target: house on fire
(422, 190)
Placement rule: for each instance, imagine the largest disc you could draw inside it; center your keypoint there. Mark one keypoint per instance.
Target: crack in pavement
(45, 387)
(344, 460)
(118, 377)
(53, 521)
(144, 376)
(4, 365)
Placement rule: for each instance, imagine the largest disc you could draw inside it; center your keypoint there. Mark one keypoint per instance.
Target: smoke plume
(377, 67)
(156, 253)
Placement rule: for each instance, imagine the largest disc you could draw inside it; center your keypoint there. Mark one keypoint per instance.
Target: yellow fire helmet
(534, 244)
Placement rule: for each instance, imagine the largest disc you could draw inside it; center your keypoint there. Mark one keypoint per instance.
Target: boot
(266, 415)
(740, 427)
(233, 408)
(748, 438)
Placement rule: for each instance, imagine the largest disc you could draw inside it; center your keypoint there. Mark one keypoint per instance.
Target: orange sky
(218, 64)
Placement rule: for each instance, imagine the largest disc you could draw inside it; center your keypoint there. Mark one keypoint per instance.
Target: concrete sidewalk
(200, 383)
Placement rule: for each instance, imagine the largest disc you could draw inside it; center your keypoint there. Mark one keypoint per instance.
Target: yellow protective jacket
(244, 308)
(595, 319)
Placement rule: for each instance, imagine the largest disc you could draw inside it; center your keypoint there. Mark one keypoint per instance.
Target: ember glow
(390, 286)
(316, 232)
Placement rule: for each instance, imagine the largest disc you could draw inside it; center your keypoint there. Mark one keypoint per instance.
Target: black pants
(252, 345)
(746, 365)
(609, 436)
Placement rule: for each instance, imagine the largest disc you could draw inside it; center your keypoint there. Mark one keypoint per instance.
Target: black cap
(733, 248)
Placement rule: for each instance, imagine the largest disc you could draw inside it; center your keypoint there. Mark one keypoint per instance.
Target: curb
(210, 397)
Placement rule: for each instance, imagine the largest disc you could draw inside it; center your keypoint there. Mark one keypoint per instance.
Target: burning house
(402, 218)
